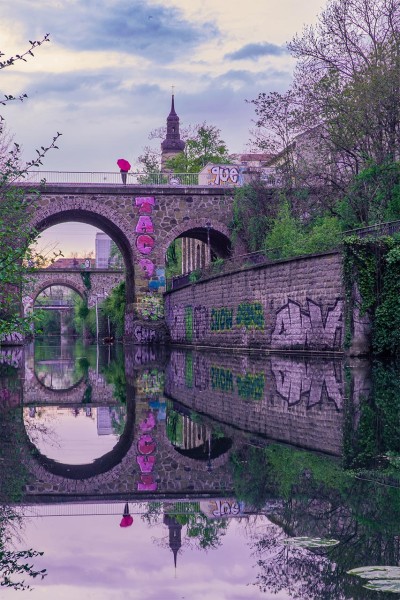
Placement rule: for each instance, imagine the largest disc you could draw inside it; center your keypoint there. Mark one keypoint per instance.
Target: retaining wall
(295, 304)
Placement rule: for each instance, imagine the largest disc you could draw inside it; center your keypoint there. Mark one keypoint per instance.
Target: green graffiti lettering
(221, 379)
(250, 316)
(221, 319)
(251, 387)
(189, 323)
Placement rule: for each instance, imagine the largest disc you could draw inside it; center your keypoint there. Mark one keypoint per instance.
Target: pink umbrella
(127, 519)
(123, 164)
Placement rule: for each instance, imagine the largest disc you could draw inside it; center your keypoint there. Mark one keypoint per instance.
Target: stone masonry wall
(293, 304)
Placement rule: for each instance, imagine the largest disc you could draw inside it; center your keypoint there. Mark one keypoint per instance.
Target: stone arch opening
(202, 241)
(92, 216)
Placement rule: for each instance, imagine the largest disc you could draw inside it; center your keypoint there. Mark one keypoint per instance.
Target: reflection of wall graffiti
(189, 370)
(251, 387)
(145, 459)
(308, 327)
(221, 379)
(221, 319)
(228, 507)
(11, 356)
(297, 381)
(250, 315)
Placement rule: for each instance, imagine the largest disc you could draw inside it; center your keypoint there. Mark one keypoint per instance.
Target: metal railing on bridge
(110, 178)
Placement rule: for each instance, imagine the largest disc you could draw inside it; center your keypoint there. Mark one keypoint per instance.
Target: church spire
(175, 529)
(172, 144)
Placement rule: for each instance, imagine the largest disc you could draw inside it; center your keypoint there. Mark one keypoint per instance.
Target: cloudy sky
(104, 80)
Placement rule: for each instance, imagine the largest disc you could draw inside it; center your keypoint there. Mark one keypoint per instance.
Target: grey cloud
(152, 31)
(256, 51)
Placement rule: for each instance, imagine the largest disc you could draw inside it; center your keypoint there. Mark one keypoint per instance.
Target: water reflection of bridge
(168, 447)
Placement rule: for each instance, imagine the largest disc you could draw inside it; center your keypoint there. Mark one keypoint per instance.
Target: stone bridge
(89, 284)
(142, 221)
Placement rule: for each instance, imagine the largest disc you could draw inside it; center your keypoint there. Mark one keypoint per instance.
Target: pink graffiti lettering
(148, 423)
(144, 225)
(145, 204)
(146, 444)
(147, 266)
(147, 483)
(146, 463)
(145, 244)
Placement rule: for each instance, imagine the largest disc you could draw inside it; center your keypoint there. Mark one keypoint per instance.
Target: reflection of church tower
(172, 145)
(175, 529)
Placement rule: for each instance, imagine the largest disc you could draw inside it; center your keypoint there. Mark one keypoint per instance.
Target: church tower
(175, 529)
(172, 145)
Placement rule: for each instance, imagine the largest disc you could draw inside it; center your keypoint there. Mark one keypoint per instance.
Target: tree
(16, 236)
(205, 146)
(344, 97)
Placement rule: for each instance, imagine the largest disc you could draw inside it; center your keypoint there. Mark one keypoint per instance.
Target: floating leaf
(384, 585)
(307, 542)
(378, 572)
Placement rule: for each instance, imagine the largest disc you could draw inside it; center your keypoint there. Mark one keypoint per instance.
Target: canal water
(140, 473)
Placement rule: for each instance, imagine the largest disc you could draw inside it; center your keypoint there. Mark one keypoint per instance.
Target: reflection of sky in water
(71, 436)
(92, 558)
(58, 376)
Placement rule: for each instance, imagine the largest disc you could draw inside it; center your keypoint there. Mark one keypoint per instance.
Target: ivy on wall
(86, 279)
(373, 266)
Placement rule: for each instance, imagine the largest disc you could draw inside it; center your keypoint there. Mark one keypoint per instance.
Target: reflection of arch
(97, 214)
(99, 465)
(62, 391)
(197, 442)
(197, 228)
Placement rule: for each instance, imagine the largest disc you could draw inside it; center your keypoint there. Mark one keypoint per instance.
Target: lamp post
(208, 225)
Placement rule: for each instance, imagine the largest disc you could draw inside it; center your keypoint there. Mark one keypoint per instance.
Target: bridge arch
(198, 228)
(98, 214)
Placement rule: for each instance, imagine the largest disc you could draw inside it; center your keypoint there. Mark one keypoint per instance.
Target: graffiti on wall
(189, 323)
(309, 327)
(145, 335)
(145, 243)
(250, 315)
(150, 307)
(299, 381)
(220, 175)
(221, 319)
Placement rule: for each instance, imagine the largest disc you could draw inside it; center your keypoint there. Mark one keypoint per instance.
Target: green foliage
(174, 259)
(289, 237)
(204, 147)
(86, 279)
(372, 197)
(374, 264)
(205, 532)
(254, 208)
(114, 308)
